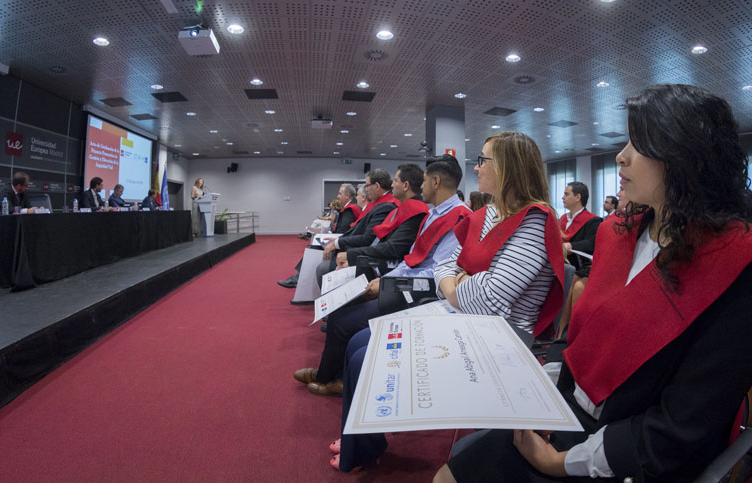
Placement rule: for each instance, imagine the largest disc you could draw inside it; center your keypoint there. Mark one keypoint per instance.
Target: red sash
(385, 198)
(352, 207)
(399, 215)
(579, 221)
(615, 329)
(440, 227)
(476, 256)
(362, 214)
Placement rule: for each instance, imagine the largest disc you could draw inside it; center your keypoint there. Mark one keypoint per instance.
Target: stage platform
(43, 327)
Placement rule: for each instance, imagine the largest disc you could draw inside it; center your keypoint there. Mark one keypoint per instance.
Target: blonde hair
(519, 170)
(335, 205)
(197, 184)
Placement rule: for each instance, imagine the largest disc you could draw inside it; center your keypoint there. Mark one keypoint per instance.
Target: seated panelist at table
(150, 202)
(91, 198)
(16, 193)
(115, 200)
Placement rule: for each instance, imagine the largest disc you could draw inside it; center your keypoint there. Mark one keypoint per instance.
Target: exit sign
(175, 156)
(347, 161)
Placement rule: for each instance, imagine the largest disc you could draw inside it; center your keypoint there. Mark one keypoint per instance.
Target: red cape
(582, 217)
(399, 215)
(431, 236)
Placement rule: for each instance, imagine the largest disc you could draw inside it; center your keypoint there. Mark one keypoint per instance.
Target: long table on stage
(41, 248)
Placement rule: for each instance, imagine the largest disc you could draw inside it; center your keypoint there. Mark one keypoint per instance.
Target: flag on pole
(155, 185)
(165, 193)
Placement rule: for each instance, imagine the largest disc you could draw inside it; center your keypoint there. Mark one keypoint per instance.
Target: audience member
(579, 226)
(16, 193)
(609, 205)
(361, 198)
(460, 195)
(91, 198)
(323, 222)
(349, 211)
(116, 200)
(478, 200)
(658, 357)
(150, 202)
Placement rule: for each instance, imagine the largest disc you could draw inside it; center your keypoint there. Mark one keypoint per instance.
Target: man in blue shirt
(150, 201)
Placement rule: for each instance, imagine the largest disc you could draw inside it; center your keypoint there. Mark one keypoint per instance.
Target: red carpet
(198, 388)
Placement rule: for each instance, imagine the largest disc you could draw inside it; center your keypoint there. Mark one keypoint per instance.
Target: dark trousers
(340, 327)
(357, 449)
(325, 267)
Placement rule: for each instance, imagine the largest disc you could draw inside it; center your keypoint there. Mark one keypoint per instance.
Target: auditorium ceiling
(310, 52)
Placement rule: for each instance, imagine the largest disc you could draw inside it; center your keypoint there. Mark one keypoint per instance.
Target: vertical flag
(165, 193)
(155, 185)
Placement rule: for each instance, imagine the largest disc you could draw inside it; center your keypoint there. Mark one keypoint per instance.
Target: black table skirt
(41, 248)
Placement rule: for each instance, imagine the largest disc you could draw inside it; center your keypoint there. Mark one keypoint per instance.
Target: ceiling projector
(198, 41)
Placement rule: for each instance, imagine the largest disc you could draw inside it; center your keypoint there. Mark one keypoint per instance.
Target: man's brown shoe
(306, 375)
(333, 388)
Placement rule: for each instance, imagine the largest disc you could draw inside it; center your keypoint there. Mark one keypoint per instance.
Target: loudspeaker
(232, 168)
(366, 168)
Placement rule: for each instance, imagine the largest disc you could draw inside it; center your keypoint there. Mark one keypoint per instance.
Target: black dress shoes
(291, 282)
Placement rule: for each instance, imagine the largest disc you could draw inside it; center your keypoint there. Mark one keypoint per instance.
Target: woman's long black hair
(694, 134)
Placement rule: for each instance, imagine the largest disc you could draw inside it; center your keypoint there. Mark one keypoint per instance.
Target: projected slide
(117, 156)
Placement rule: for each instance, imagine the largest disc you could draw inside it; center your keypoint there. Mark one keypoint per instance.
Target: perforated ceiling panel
(311, 51)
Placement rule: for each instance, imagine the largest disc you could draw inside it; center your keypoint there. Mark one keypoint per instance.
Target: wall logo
(395, 336)
(383, 411)
(14, 144)
(384, 397)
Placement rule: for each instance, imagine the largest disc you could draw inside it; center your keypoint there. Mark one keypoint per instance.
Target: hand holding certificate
(336, 278)
(452, 371)
(328, 303)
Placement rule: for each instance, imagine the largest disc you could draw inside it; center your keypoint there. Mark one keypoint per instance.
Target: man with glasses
(16, 193)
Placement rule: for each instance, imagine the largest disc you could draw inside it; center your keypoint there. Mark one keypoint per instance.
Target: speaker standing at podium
(197, 191)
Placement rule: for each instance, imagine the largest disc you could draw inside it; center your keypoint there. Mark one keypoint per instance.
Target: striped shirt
(517, 282)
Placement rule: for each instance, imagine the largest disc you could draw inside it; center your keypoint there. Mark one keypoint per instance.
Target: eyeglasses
(482, 159)
(368, 185)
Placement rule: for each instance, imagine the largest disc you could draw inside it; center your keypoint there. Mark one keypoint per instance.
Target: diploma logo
(323, 307)
(14, 144)
(394, 364)
(394, 355)
(384, 397)
(394, 345)
(383, 411)
(395, 336)
(441, 351)
(394, 328)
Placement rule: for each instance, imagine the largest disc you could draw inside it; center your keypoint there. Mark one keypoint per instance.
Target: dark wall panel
(44, 110)
(8, 96)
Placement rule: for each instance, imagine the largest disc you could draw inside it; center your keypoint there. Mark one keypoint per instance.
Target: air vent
(261, 93)
(169, 97)
(371, 55)
(375, 55)
(305, 152)
(563, 123)
(143, 117)
(358, 96)
(115, 102)
(524, 80)
(612, 134)
(500, 111)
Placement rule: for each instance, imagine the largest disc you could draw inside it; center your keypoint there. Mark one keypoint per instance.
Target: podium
(207, 206)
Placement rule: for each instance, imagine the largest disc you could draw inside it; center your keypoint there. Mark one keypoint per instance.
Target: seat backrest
(40, 199)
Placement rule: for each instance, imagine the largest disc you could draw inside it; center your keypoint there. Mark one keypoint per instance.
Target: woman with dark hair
(478, 200)
(658, 357)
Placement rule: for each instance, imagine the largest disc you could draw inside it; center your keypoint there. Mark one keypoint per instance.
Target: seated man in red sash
(658, 357)
(578, 225)
(350, 210)
(509, 263)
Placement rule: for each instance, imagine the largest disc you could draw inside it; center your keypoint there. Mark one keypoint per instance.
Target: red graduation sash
(579, 221)
(385, 198)
(476, 256)
(363, 213)
(440, 227)
(615, 329)
(352, 207)
(399, 215)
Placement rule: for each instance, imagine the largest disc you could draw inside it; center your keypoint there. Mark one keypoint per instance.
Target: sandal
(334, 463)
(335, 446)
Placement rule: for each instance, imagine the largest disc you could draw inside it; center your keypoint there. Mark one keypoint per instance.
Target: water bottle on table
(5, 206)
(75, 205)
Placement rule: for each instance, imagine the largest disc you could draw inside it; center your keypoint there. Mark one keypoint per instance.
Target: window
(605, 180)
(559, 174)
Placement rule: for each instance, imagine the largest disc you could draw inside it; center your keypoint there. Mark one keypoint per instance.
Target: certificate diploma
(452, 371)
(336, 278)
(328, 303)
(322, 239)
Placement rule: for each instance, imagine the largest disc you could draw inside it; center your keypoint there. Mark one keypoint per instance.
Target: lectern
(207, 206)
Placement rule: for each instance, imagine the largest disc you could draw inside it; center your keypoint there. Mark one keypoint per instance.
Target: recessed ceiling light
(539, 109)
(363, 85)
(385, 35)
(191, 114)
(229, 143)
(213, 131)
(495, 126)
(747, 88)
(557, 151)
(407, 134)
(699, 49)
(256, 81)
(270, 111)
(157, 87)
(595, 144)
(335, 152)
(278, 130)
(352, 113)
(460, 95)
(344, 131)
(257, 152)
(595, 123)
(280, 152)
(548, 135)
(393, 146)
(382, 154)
(283, 142)
(513, 58)
(235, 29)
(101, 41)
(607, 1)
(195, 154)
(178, 145)
(340, 144)
(467, 139)
(602, 84)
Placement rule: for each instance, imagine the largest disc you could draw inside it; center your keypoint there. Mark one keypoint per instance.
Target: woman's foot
(335, 446)
(334, 463)
(306, 375)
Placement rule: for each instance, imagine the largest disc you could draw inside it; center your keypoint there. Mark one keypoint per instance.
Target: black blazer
(362, 235)
(14, 199)
(670, 418)
(87, 200)
(117, 201)
(584, 241)
(345, 220)
(394, 246)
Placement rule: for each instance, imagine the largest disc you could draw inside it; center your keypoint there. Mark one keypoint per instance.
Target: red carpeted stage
(198, 387)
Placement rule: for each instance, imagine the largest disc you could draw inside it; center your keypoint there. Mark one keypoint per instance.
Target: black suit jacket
(584, 241)
(14, 199)
(362, 235)
(394, 246)
(87, 200)
(345, 220)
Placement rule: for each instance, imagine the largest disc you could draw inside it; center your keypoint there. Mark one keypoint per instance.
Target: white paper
(322, 239)
(307, 289)
(336, 278)
(328, 303)
(452, 371)
(582, 254)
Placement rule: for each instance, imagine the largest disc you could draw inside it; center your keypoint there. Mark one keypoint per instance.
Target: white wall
(262, 184)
